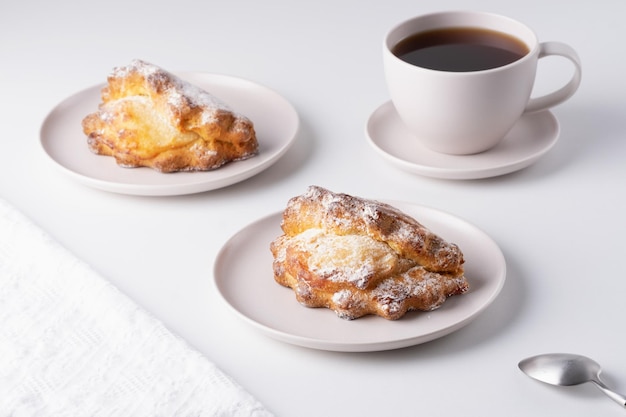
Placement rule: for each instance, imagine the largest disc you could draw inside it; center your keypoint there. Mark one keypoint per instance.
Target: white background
(560, 222)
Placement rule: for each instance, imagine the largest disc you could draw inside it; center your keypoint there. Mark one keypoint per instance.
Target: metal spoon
(567, 369)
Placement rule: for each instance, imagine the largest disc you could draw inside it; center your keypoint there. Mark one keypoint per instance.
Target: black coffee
(460, 49)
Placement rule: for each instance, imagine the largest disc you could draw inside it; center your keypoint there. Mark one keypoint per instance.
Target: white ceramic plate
(275, 120)
(531, 138)
(244, 279)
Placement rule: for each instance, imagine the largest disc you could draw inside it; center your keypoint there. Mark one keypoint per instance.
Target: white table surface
(560, 222)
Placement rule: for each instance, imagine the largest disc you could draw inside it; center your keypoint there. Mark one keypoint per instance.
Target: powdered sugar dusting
(201, 151)
(392, 294)
(350, 258)
(178, 91)
(383, 222)
(346, 302)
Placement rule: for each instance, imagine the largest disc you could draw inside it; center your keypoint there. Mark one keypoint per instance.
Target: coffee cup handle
(565, 92)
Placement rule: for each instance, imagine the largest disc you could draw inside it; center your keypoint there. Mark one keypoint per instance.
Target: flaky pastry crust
(359, 257)
(149, 117)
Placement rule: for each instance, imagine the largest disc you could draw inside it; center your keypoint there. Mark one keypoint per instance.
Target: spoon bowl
(567, 369)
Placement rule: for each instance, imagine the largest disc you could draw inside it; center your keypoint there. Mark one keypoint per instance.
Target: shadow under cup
(460, 111)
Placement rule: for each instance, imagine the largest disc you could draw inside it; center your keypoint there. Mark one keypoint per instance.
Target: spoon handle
(618, 398)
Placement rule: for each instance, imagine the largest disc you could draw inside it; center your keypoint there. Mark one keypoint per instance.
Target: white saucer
(275, 121)
(244, 279)
(532, 136)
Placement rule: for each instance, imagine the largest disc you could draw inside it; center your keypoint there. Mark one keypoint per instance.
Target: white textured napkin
(73, 345)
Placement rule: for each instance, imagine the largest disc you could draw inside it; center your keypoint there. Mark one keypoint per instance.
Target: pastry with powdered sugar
(149, 117)
(359, 257)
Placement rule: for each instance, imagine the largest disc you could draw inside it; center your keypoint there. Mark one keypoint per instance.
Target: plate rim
(197, 185)
(365, 346)
(452, 173)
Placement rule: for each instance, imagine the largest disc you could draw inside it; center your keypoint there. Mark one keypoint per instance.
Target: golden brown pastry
(360, 257)
(149, 117)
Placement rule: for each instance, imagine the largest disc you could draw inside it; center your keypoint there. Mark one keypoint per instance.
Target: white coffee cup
(469, 112)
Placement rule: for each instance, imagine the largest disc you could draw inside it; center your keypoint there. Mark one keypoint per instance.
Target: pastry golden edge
(359, 257)
(150, 117)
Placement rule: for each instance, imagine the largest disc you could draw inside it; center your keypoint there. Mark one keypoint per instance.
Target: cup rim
(529, 38)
